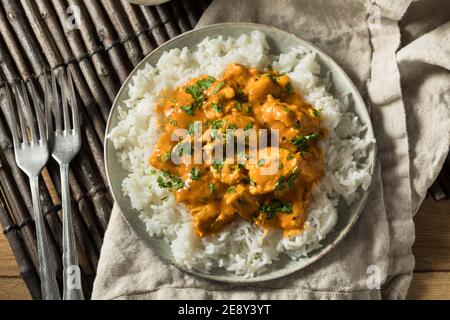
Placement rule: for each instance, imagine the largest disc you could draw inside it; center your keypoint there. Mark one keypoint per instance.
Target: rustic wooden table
(432, 251)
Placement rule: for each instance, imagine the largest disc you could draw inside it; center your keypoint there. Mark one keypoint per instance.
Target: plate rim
(235, 279)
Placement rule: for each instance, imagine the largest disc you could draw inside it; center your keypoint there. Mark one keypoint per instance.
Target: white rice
(241, 248)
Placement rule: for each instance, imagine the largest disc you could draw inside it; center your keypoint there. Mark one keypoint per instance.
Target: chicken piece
(273, 111)
(229, 173)
(238, 121)
(311, 166)
(259, 87)
(211, 218)
(236, 74)
(242, 202)
(204, 217)
(271, 170)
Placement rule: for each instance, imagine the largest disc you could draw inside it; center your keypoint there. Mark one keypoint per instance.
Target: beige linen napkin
(407, 90)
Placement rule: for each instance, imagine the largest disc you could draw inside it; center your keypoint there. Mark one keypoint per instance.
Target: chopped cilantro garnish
(275, 207)
(218, 165)
(292, 178)
(249, 126)
(188, 109)
(301, 141)
(195, 174)
(279, 186)
(239, 106)
(217, 107)
(197, 90)
(168, 181)
(216, 124)
(289, 88)
(240, 95)
(231, 126)
(165, 157)
(231, 190)
(218, 87)
(212, 188)
(317, 113)
(172, 122)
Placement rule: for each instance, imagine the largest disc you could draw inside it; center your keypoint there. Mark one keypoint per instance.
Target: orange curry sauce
(217, 193)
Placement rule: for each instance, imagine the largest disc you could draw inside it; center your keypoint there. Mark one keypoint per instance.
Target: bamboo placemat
(112, 38)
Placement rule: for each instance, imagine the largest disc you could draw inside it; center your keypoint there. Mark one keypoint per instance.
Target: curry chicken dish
(238, 187)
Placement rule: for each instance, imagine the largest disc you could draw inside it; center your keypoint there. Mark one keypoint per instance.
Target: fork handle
(72, 275)
(49, 285)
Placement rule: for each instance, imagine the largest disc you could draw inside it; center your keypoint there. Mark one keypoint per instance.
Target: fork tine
(47, 107)
(13, 118)
(28, 109)
(22, 121)
(38, 112)
(55, 101)
(65, 101)
(73, 102)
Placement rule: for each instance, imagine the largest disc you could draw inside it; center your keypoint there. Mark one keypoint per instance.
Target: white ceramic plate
(279, 42)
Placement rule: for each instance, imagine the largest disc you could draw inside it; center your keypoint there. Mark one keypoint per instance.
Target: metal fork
(65, 142)
(32, 156)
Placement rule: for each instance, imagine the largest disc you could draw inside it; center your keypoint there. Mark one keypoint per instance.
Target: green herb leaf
(275, 207)
(292, 179)
(231, 190)
(317, 113)
(216, 124)
(168, 181)
(166, 156)
(218, 165)
(301, 142)
(218, 87)
(189, 109)
(231, 126)
(240, 95)
(195, 174)
(279, 186)
(212, 188)
(289, 88)
(217, 107)
(197, 90)
(249, 126)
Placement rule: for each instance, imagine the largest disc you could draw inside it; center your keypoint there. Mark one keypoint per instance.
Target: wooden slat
(13, 289)
(8, 265)
(430, 286)
(432, 247)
